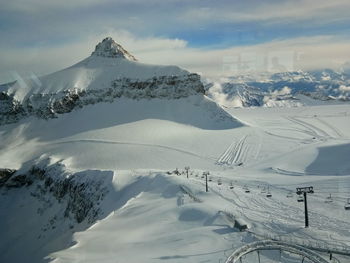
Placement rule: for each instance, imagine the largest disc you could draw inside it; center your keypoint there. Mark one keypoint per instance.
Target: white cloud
(199, 11)
(36, 6)
(284, 91)
(146, 44)
(44, 60)
(217, 94)
(271, 11)
(344, 88)
(307, 53)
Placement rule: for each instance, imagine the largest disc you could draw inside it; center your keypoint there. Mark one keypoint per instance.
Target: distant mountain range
(281, 89)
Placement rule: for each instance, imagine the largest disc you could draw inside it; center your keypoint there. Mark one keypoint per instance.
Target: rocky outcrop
(110, 49)
(78, 193)
(51, 105)
(11, 110)
(5, 174)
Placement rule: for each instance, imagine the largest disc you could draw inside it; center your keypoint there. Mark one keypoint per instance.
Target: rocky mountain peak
(109, 48)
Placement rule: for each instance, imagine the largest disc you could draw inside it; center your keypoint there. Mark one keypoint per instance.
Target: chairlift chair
(300, 198)
(231, 185)
(289, 195)
(219, 181)
(268, 192)
(210, 179)
(246, 189)
(347, 205)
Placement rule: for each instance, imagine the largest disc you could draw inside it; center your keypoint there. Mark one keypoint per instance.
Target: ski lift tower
(206, 180)
(187, 168)
(304, 191)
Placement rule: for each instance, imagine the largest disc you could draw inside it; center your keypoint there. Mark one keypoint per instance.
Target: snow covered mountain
(109, 73)
(283, 89)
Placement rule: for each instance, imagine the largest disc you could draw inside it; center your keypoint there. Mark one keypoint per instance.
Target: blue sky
(43, 36)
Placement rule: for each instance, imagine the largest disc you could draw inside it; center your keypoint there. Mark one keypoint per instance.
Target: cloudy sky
(214, 37)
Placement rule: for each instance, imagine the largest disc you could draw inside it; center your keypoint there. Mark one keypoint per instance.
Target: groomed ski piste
(148, 217)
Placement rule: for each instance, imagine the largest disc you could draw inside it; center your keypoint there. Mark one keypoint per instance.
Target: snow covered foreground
(148, 215)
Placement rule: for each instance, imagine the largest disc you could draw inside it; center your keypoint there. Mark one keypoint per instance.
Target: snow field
(148, 218)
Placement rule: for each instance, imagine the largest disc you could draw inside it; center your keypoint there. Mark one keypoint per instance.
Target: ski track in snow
(281, 136)
(286, 172)
(311, 129)
(135, 144)
(241, 151)
(278, 215)
(336, 131)
(274, 215)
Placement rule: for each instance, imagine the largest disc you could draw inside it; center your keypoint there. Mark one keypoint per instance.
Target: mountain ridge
(281, 89)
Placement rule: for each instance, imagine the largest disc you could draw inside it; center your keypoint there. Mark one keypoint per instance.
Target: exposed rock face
(50, 105)
(109, 48)
(78, 193)
(170, 87)
(10, 109)
(5, 174)
(249, 96)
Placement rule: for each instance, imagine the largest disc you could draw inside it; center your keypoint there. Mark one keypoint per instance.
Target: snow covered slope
(124, 134)
(145, 208)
